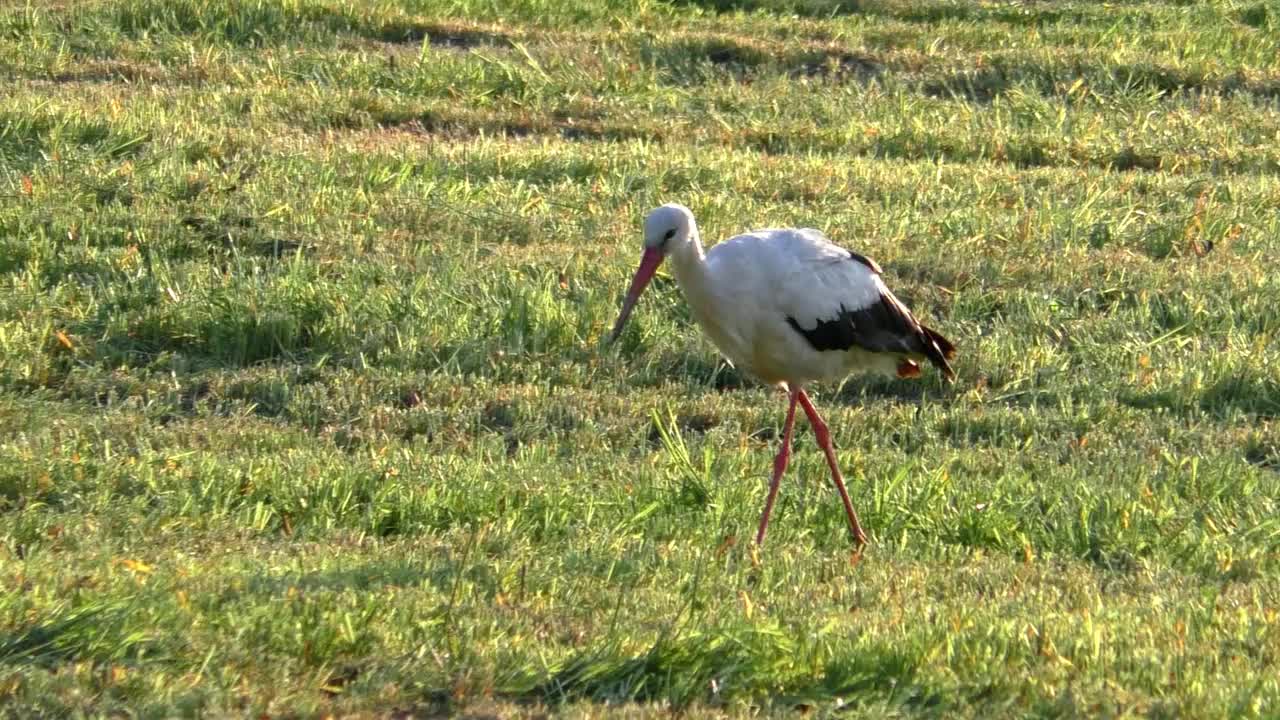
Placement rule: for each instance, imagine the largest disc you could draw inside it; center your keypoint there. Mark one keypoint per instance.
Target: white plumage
(764, 277)
(791, 308)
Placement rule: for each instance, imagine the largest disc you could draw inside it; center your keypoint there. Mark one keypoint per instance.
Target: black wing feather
(885, 326)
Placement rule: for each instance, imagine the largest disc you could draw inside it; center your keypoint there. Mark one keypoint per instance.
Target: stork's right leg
(779, 462)
(824, 440)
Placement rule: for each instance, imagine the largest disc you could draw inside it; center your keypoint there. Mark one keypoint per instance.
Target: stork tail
(939, 350)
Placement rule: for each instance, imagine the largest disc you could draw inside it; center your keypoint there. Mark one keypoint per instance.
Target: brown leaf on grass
(728, 542)
(1195, 228)
(136, 566)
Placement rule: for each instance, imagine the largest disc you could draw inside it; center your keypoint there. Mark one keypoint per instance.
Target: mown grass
(304, 410)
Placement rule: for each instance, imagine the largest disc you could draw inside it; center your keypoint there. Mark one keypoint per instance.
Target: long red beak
(649, 263)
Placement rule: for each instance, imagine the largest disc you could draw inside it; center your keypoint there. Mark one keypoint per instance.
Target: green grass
(304, 408)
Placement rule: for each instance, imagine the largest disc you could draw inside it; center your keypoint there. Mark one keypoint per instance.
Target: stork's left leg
(824, 440)
(779, 465)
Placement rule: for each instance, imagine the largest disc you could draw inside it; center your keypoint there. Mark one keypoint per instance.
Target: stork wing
(836, 300)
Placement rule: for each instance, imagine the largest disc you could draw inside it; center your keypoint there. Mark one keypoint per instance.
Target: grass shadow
(697, 59)
(26, 138)
(860, 389)
(268, 23)
(1057, 79)
(708, 370)
(438, 35)
(362, 577)
(926, 13)
(1247, 393)
(88, 632)
(804, 8)
(725, 667)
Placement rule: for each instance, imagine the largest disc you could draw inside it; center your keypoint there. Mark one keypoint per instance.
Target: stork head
(665, 228)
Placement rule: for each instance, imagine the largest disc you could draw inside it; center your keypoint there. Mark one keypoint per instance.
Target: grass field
(304, 408)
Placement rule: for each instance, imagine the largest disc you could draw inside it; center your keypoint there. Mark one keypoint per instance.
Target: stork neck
(689, 265)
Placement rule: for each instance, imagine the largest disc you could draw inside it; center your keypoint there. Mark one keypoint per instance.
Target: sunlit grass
(304, 407)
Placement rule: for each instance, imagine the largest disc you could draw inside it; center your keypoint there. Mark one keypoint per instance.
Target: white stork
(790, 308)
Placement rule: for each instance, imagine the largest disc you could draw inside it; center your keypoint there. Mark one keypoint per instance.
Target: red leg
(824, 440)
(779, 465)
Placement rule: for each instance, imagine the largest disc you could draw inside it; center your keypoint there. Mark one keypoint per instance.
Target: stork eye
(670, 234)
